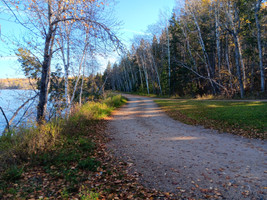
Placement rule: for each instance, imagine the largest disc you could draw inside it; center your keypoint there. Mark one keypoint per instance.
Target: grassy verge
(67, 159)
(248, 119)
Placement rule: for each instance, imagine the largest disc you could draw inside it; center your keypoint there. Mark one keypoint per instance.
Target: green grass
(64, 149)
(242, 118)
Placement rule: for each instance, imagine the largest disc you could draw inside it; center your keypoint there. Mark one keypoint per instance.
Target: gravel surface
(196, 162)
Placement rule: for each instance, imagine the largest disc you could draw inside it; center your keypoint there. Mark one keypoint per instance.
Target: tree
(257, 6)
(44, 18)
(214, 47)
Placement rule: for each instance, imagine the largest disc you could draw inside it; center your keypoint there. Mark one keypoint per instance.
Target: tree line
(207, 47)
(15, 83)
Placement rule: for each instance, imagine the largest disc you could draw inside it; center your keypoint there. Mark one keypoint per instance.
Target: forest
(78, 148)
(207, 47)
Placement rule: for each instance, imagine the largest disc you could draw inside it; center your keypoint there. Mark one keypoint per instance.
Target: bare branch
(7, 122)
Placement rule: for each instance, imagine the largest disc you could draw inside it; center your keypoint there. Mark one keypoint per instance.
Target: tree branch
(17, 111)
(7, 122)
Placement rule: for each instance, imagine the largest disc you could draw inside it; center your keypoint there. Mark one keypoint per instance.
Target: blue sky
(138, 14)
(135, 15)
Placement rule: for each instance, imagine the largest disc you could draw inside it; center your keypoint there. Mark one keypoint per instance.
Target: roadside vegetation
(66, 159)
(247, 119)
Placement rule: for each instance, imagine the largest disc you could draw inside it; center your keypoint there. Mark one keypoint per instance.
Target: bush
(115, 101)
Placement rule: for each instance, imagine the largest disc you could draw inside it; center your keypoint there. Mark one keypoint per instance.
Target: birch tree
(256, 10)
(44, 18)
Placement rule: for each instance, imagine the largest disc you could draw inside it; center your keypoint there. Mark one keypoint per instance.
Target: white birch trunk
(257, 8)
(145, 71)
(156, 69)
(81, 90)
(217, 32)
(169, 57)
(79, 75)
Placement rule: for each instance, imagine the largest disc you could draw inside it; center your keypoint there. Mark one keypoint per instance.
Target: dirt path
(190, 160)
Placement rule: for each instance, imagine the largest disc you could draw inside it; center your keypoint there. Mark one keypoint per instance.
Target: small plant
(64, 194)
(70, 175)
(13, 173)
(90, 195)
(86, 144)
(90, 164)
(12, 191)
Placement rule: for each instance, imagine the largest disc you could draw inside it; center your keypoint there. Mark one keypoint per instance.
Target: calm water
(11, 100)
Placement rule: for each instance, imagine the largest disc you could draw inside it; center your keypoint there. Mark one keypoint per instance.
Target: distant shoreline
(15, 89)
(17, 84)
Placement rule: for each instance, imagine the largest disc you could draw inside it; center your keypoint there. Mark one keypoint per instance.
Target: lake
(11, 100)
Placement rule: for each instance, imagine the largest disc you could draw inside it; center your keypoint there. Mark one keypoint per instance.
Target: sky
(135, 15)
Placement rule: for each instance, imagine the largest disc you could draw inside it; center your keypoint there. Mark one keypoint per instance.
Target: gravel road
(190, 160)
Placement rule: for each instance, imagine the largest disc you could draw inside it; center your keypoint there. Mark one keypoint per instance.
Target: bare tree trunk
(81, 90)
(67, 73)
(124, 74)
(101, 89)
(188, 48)
(237, 42)
(252, 76)
(132, 72)
(7, 122)
(45, 79)
(79, 74)
(238, 67)
(127, 77)
(207, 62)
(141, 79)
(241, 61)
(257, 8)
(227, 61)
(238, 53)
(157, 74)
(169, 58)
(217, 31)
(145, 71)
(66, 63)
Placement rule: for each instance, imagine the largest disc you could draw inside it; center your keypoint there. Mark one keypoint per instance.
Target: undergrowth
(68, 159)
(65, 150)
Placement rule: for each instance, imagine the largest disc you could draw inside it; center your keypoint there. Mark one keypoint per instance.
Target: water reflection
(11, 100)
